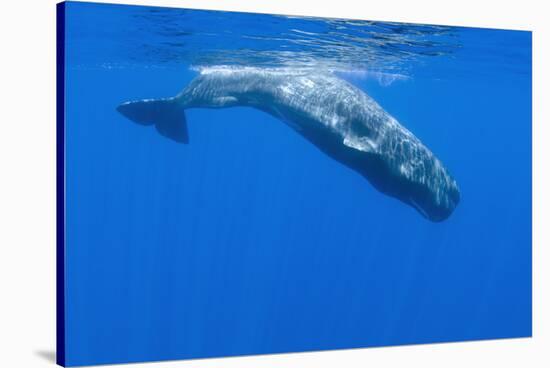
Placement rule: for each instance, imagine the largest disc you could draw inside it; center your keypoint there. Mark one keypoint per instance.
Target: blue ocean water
(249, 239)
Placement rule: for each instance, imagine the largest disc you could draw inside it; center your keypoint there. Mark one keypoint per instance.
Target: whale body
(337, 117)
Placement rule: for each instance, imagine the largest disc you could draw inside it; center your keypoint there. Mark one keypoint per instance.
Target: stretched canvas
(235, 183)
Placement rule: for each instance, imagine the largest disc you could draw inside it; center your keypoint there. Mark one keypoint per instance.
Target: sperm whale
(337, 117)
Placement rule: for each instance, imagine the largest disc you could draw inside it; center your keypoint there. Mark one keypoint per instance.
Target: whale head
(435, 200)
(403, 168)
(425, 184)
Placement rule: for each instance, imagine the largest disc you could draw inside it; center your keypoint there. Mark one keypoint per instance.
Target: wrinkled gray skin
(340, 120)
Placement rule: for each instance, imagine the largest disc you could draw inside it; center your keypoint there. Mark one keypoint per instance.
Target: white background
(27, 182)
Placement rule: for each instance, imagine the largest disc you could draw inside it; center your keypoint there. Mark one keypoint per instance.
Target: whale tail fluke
(166, 114)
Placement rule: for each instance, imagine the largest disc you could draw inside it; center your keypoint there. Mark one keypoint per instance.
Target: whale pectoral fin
(166, 114)
(224, 101)
(363, 144)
